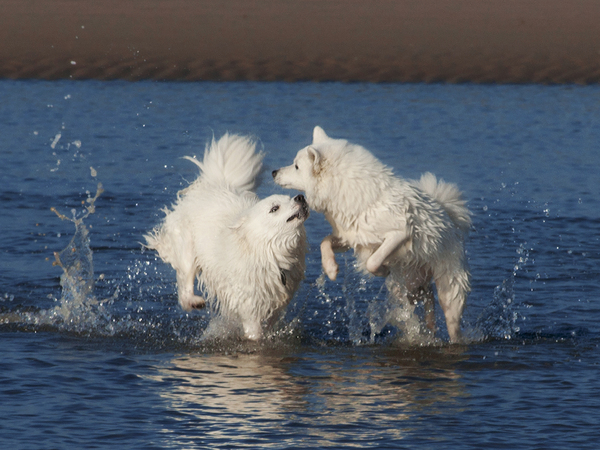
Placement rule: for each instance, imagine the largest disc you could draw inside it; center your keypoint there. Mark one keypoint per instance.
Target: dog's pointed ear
(319, 135)
(315, 158)
(314, 155)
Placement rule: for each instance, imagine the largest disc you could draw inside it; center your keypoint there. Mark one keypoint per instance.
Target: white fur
(411, 230)
(247, 254)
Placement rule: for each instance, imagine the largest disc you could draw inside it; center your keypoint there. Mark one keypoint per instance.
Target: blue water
(112, 362)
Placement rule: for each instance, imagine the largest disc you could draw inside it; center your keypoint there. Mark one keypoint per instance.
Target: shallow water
(122, 366)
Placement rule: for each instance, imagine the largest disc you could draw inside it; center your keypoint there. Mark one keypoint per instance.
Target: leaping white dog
(248, 255)
(411, 230)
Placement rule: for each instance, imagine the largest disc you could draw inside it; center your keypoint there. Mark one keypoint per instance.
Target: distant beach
(508, 41)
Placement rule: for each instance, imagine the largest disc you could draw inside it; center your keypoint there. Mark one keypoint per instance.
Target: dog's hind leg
(452, 292)
(185, 291)
(252, 329)
(390, 244)
(418, 283)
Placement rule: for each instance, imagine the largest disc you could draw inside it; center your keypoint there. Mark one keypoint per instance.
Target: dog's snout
(274, 173)
(300, 199)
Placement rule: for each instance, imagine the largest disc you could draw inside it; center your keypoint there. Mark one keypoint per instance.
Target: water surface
(122, 366)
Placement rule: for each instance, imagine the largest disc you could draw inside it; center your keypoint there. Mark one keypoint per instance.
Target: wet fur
(248, 255)
(409, 231)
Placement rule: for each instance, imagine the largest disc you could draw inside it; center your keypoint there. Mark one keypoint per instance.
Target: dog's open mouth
(298, 216)
(302, 212)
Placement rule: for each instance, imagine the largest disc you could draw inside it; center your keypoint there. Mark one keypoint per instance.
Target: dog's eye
(296, 166)
(274, 208)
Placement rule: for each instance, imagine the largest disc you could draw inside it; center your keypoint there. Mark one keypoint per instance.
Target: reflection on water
(321, 396)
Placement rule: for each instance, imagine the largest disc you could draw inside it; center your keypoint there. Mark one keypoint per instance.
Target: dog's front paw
(331, 268)
(199, 302)
(192, 302)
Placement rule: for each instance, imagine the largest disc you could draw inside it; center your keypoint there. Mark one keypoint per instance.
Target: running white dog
(411, 230)
(248, 255)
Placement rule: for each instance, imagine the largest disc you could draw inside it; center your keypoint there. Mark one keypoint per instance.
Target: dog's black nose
(274, 173)
(299, 198)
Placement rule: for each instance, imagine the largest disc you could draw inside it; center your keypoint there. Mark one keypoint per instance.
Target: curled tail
(231, 161)
(448, 195)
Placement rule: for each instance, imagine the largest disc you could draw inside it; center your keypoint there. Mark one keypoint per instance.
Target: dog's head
(307, 164)
(276, 221)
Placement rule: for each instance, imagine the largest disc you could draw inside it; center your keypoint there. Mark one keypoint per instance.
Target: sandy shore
(546, 41)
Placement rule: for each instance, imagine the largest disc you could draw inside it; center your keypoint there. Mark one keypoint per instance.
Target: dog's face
(300, 175)
(277, 220)
(303, 173)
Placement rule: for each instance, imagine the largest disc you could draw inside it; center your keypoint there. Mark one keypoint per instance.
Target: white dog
(248, 255)
(413, 231)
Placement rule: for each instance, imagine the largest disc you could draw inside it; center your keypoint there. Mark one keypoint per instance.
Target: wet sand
(502, 41)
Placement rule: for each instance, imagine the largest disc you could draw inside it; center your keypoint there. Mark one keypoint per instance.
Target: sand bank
(504, 41)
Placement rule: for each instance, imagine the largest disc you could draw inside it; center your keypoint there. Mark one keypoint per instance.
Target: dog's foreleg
(330, 266)
(391, 242)
(185, 291)
(329, 246)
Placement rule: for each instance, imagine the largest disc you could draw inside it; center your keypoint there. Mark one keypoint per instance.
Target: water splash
(370, 310)
(403, 313)
(355, 318)
(499, 319)
(359, 310)
(134, 310)
(78, 305)
(377, 312)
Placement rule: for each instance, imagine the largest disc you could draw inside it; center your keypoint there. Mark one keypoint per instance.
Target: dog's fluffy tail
(449, 196)
(231, 161)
